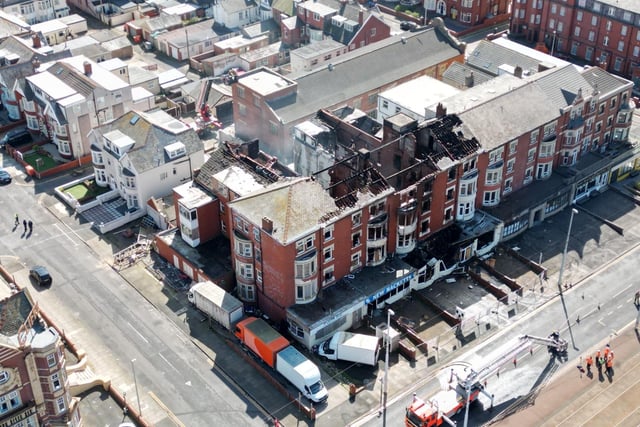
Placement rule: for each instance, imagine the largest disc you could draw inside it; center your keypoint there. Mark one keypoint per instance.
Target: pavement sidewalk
(574, 399)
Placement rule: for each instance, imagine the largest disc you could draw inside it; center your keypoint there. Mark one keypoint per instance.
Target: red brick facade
(598, 33)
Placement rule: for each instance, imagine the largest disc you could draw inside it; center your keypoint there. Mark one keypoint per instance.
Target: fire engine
(470, 383)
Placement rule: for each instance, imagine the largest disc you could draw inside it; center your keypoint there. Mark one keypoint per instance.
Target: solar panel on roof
(134, 119)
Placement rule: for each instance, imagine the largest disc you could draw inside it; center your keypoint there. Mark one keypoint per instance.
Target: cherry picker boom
(470, 383)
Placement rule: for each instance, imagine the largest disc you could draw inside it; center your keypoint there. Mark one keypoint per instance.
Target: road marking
(170, 414)
(65, 235)
(610, 313)
(137, 332)
(619, 307)
(621, 291)
(168, 363)
(601, 322)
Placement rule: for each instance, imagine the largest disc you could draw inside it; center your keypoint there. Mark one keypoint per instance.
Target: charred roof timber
(345, 192)
(449, 140)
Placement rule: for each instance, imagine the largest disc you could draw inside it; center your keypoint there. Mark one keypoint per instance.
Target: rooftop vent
(175, 150)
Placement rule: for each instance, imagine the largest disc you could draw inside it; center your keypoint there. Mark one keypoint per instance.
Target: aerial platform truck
(470, 383)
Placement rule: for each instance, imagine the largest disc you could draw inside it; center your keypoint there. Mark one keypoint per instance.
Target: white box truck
(216, 303)
(302, 373)
(358, 348)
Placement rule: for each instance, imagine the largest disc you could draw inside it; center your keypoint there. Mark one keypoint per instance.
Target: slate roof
(235, 6)
(340, 33)
(260, 28)
(11, 45)
(92, 51)
(139, 75)
(161, 22)
(363, 70)
(13, 312)
(16, 73)
(150, 139)
(511, 115)
(102, 36)
(457, 72)
(604, 81)
(296, 207)
(284, 6)
(562, 86)
(488, 56)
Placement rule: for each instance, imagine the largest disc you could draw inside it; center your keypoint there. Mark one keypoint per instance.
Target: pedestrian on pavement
(607, 349)
(598, 364)
(30, 226)
(17, 220)
(589, 362)
(636, 300)
(24, 224)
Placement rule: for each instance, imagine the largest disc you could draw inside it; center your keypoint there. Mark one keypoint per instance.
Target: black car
(16, 138)
(408, 25)
(5, 178)
(40, 275)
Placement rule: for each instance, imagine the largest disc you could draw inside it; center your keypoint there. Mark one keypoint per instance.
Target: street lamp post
(553, 43)
(566, 246)
(135, 383)
(386, 359)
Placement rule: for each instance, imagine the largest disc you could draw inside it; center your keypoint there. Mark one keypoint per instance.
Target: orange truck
(439, 408)
(274, 350)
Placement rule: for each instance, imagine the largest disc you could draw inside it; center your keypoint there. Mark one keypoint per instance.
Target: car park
(5, 177)
(40, 275)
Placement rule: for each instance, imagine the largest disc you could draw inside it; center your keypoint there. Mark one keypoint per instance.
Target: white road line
(137, 332)
(65, 235)
(610, 313)
(621, 291)
(168, 363)
(619, 307)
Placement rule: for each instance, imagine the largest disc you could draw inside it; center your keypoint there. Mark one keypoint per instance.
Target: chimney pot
(87, 68)
(36, 41)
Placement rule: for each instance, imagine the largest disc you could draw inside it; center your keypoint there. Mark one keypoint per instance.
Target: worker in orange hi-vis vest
(589, 362)
(609, 363)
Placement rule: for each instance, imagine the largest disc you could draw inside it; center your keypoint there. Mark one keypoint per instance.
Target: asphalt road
(122, 332)
(602, 268)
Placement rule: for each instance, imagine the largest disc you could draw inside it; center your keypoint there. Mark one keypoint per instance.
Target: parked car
(40, 275)
(408, 25)
(16, 137)
(5, 178)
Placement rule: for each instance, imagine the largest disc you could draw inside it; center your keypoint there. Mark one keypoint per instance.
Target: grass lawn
(47, 162)
(81, 192)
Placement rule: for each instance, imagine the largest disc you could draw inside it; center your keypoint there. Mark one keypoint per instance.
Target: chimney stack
(87, 68)
(518, 71)
(360, 16)
(468, 79)
(37, 44)
(267, 225)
